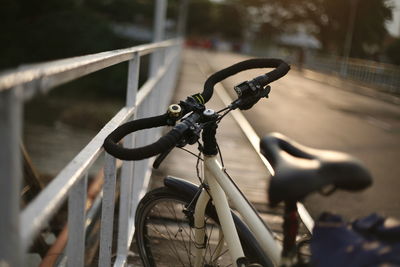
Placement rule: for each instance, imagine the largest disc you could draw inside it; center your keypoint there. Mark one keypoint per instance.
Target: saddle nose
(301, 170)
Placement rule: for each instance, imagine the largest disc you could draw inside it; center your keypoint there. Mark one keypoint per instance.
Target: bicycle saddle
(300, 170)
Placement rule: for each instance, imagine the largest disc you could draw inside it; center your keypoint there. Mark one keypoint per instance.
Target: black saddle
(300, 170)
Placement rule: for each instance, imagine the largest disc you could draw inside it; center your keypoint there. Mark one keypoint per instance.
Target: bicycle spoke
(217, 248)
(171, 244)
(168, 238)
(180, 229)
(208, 243)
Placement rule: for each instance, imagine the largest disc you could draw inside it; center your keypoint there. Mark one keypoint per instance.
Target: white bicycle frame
(221, 189)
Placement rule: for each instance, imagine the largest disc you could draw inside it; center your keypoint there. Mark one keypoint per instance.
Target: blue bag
(370, 241)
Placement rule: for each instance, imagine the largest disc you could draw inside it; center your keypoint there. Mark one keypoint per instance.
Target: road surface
(327, 117)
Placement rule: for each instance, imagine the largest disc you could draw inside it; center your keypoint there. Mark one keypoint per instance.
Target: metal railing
(382, 76)
(18, 228)
(374, 74)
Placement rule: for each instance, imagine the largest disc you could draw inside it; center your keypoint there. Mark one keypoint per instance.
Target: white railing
(385, 77)
(19, 228)
(380, 75)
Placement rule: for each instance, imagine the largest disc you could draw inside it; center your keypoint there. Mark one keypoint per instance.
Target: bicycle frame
(221, 188)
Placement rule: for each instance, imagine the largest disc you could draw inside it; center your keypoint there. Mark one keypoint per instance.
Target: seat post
(290, 229)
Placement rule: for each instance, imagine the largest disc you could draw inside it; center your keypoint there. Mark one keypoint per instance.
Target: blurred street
(326, 117)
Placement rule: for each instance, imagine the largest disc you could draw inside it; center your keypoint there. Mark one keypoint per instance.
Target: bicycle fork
(228, 232)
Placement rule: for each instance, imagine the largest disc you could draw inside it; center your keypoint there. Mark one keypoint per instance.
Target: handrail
(44, 76)
(46, 204)
(152, 97)
(19, 227)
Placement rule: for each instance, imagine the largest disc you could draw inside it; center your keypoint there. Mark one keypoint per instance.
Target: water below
(55, 130)
(51, 148)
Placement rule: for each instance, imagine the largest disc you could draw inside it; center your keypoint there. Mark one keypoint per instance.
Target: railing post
(76, 223)
(140, 167)
(159, 34)
(107, 211)
(10, 176)
(125, 217)
(133, 80)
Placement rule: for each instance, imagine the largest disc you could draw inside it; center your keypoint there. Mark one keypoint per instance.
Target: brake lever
(160, 158)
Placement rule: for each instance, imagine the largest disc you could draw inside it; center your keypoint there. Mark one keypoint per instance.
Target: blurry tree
(124, 10)
(42, 30)
(393, 51)
(39, 30)
(202, 17)
(327, 20)
(229, 21)
(208, 19)
(332, 20)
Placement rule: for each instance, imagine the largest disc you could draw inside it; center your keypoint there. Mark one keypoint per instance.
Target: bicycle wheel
(165, 237)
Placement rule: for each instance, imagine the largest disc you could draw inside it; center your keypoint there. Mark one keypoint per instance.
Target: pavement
(337, 116)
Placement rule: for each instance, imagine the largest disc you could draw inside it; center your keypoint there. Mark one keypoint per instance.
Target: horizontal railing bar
(49, 200)
(44, 76)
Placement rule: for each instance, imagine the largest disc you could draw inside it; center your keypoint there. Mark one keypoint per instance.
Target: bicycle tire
(161, 226)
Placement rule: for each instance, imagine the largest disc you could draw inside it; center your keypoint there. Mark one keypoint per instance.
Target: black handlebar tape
(281, 68)
(166, 142)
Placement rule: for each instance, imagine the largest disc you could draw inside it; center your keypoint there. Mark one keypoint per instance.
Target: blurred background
(342, 93)
(366, 31)
(352, 40)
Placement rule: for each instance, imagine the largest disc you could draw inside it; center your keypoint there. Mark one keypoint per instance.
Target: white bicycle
(182, 224)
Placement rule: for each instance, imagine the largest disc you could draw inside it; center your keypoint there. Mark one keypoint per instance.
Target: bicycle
(195, 222)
